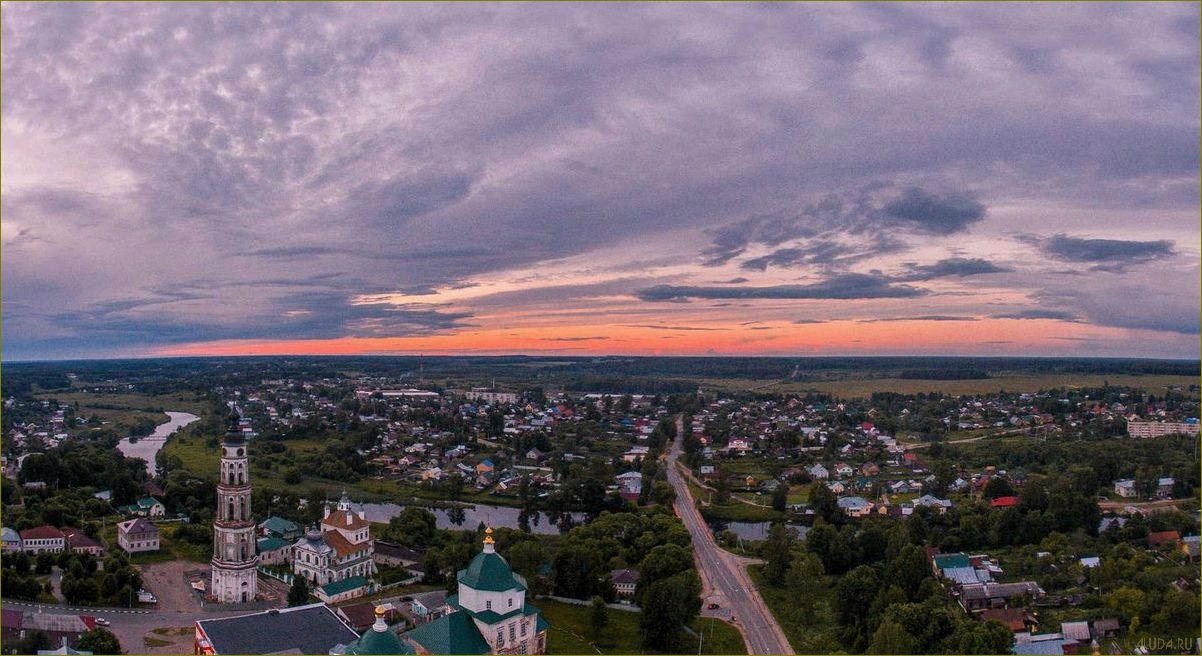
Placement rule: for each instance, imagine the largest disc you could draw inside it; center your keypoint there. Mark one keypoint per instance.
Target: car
(713, 606)
(100, 621)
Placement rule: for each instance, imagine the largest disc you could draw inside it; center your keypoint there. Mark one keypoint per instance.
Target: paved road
(724, 575)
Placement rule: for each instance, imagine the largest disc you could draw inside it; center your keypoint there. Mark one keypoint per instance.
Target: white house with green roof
(489, 615)
(144, 507)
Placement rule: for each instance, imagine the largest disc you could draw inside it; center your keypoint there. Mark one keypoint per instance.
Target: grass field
(203, 460)
(176, 402)
(808, 632)
(120, 412)
(571, 632)
(864, 387)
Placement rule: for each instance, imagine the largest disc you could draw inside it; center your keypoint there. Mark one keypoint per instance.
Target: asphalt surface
(131, 626)
(724, 575)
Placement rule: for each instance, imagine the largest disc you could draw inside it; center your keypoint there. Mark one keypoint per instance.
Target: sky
(655, 179)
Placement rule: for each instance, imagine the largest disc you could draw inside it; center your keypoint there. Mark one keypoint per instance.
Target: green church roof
(271, 544)
(379, 642)
(490, 572)
(450, 634)
(345, 585)
(492, 616)
(279, 525)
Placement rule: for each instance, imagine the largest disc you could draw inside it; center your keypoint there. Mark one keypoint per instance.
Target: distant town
(223, 511)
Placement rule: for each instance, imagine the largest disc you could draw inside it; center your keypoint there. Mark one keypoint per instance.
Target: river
(495, 516)
(147, 447)
(754, 530)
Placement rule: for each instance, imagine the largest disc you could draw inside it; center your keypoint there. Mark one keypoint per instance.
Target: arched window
(230, 515)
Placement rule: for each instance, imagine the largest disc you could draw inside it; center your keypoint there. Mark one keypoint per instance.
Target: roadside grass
(808, 632)
(718, 637)
(740, 512)
(150, 642)
(571, 632)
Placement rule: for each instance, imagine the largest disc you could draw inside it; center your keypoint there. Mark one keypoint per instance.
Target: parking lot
(167, 581)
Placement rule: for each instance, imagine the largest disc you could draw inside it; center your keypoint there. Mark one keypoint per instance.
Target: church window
(500, 636)
(523, 629)
(512, 636)
(511, 602)
(488, 605)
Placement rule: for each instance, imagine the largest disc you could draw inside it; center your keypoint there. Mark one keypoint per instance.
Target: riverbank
(148, 447)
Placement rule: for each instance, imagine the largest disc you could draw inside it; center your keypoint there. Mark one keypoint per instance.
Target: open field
(120, 412)
(864, 387)
(811, 632)
(180, 401)
(201, 459)
(571, 632)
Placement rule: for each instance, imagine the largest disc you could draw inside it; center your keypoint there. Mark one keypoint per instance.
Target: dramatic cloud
(848, 286)
(180, 174)
(952, 267)
(1036, 314)
(842, 229)
(927, 213)
(1106, 254)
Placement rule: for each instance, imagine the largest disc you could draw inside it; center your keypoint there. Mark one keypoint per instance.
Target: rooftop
(450, 634)
(311, 629)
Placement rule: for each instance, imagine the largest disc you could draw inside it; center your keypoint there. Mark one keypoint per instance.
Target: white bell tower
(234, 557)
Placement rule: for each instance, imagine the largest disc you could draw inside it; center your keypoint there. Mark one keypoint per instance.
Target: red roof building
(1154, 539)
(1004, 502)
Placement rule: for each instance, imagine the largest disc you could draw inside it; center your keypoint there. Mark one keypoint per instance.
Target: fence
(286, 577)
(630, 608)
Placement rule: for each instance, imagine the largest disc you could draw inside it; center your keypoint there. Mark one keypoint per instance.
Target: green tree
(668, 605)
(854, 594)
(824, 502)
(664, 561)
(1127, 601)
(777, 552)
(598, 617)
(998, 487)
(908, 570)
(892, 638)
(298, 594)
(780, 497)
(577, 572)
(526, 557)
(413, 528)
(99, 641)
(804, 578)
(990, 637)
